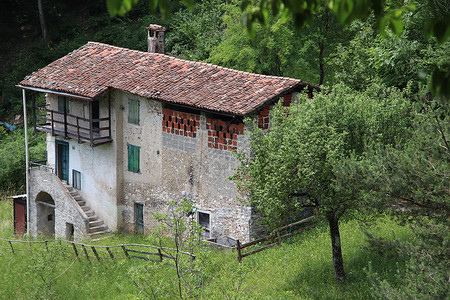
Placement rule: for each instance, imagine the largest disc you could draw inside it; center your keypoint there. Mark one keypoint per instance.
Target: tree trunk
(321, 67)
(338, 262)
(42, 20)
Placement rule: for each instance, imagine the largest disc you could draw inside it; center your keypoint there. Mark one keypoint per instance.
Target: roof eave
(32, 88)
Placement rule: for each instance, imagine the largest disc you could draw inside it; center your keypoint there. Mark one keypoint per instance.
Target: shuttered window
(133, 111)
(133, 158)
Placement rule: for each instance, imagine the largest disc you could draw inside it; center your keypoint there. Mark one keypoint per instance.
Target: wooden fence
(277, 237)
(80, 250)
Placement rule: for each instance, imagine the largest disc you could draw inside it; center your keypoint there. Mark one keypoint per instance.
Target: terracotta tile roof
(93, 68)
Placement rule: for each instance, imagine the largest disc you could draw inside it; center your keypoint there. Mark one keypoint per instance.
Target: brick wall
(180, 123)
(264, 115)
(223, 136)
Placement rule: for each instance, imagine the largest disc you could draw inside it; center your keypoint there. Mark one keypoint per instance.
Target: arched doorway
(45, 208)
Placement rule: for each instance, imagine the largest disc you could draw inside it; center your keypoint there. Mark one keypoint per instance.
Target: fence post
(46, 246)
(160, 255)
(75, 249)
(95, 253)
(110, 253)
(238, 246)
(85, 252)
(12, 249)
(125, 251)
(278, 237)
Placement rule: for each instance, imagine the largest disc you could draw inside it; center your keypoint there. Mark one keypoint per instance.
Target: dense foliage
(12, 158)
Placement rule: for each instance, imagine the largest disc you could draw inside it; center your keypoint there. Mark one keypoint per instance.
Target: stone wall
(45, 185)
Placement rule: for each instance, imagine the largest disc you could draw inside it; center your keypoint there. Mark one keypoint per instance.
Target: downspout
(26, 160)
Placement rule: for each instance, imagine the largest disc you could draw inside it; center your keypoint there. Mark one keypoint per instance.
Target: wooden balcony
(84, 130)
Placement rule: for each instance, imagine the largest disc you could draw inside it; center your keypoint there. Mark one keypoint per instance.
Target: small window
(204, 220)
(69, 231)
(76, 179)
(61, 101)
(133, 111)
(139, 218)
(133, 158)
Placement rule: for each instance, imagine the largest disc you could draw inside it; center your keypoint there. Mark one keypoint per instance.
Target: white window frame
(207, 231)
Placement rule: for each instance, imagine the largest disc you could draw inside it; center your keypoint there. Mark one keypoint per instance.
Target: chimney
(155, 38)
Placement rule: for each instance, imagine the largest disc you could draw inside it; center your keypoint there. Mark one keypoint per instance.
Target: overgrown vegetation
(299, 269)
(12, 158)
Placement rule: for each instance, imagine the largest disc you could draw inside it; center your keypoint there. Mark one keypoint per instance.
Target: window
(76, 179)
(133, 111)
(133, 158)
(204, 220)
(139, 218)
(61, 101)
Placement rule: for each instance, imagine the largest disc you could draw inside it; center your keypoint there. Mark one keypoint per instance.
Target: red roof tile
(93, 68)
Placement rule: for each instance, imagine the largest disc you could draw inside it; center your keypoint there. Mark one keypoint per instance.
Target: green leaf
(113, 6)
(440, 82)
(439, 28)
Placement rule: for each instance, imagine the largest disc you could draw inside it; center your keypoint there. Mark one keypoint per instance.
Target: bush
(12, 158)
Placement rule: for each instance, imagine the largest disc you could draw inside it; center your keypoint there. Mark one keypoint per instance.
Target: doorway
(139, 218)
(20, 215)
(62, 160)
(45, 208)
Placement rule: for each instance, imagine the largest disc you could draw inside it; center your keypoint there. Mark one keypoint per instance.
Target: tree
(42, 21)
(410, 181)
(385, 15)
(292, 165)
(158, 280)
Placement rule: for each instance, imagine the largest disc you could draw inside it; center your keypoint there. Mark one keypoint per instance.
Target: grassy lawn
(301, 268)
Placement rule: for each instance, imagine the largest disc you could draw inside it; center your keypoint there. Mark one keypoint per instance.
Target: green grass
(299, 269)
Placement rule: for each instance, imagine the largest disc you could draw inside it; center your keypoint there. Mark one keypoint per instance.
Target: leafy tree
(194, 33)
(12, 158)
(387, 14)
(278, 48)
(292, 166)
(411, 182)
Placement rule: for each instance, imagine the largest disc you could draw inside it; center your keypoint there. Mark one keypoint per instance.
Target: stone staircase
(96, 228)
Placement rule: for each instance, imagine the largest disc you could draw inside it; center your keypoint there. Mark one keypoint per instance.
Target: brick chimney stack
(155, 38)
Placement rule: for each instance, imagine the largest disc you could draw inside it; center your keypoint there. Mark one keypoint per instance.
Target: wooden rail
(80, 250)
(74, 127)
(277, 237)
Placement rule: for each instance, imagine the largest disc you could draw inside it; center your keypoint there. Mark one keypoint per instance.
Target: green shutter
(133, 158)
(133, 111)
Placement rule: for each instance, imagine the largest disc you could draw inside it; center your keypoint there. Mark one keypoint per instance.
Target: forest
(374, 142)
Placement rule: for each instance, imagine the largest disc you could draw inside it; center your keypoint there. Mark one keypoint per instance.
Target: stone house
(129, 131)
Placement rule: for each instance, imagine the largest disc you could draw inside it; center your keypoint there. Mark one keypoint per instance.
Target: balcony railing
(84, 130)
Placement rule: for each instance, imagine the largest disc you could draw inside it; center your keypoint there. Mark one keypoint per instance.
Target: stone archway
(45, 208)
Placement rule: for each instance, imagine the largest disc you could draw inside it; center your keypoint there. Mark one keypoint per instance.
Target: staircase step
(81, 202)
(95, 223)
(93, 218)
(95, 236)
(85, 208)
(98, 228)
(89, 213)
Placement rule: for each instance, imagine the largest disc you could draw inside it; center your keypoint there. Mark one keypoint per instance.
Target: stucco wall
(96, 165)
(172, 164)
